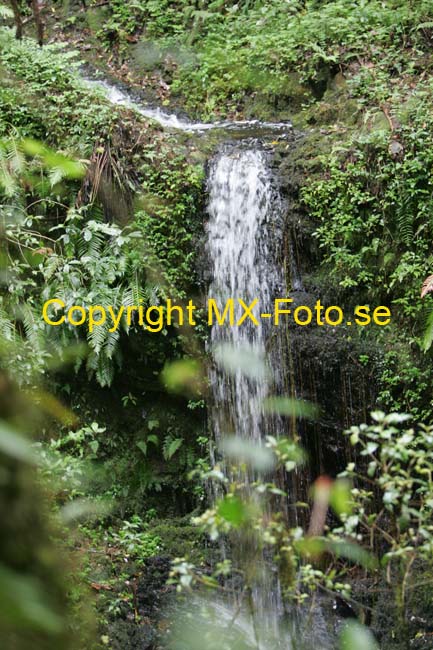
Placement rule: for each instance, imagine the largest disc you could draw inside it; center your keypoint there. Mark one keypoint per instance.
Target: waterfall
(244, 227)
(244, 220)
(245, 230)
(244, 236)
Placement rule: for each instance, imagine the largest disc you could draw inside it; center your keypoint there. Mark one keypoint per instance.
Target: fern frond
(33, 327)
(104, 371)
(111, 341)
(405, 219)
(15, 156)
(7, 326)
(428, 333)
(170, 446)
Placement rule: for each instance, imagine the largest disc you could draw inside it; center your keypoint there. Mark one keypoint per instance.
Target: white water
(243, 210)
(244, 234)
(171, 120)
(244, 226)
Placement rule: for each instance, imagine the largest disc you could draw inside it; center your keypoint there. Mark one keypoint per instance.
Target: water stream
(244, 225)
(244, 209)
(167, 120)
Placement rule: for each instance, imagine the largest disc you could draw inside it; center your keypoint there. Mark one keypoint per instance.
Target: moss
(181, 539)
(400, 627)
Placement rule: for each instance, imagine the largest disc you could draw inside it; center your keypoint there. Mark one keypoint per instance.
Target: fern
(7, 182)
(428, 333)
(52, 266)
(33, 327)
(111, 341)
(15, 156)
(170, 446)
(405, 219)
(7, 327)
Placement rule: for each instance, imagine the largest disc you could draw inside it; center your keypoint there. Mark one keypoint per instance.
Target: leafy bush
(53, 103)
(241, 49)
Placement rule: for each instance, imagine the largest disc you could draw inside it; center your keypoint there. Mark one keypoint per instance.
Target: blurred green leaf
(52, 406)
(340, 497)
(233, 510)
(243, 451)
(183, 376)
(290, 407)
(310, 546)
(23, 603)
(52, 160)
(316, 546)
(245, 360)
(355, 636)
(353, 552)
(14, 445)
(85, 510)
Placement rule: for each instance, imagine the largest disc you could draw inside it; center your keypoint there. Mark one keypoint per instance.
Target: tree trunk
(38, 21)
(17, 19)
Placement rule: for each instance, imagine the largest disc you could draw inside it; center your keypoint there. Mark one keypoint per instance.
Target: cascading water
(244, 235)
(244, 210)
(170, 120)
(244, 226)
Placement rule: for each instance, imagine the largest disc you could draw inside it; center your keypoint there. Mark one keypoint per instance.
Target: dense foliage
(228, 55)
(99, 205)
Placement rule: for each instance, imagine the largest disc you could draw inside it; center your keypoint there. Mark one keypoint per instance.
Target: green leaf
(172, 448)
(244, 360)
(94, 446)
(142, 446)
(290, 407)
(310, 546)
(243, 451)
(14, 445)
(340, 498)
(51, 160)
(85, 510)
(183, 376)
(233, 510)
(352, 552)
(355, 636)
(24, 603)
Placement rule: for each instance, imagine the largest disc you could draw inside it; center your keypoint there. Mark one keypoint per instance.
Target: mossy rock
(181, 539)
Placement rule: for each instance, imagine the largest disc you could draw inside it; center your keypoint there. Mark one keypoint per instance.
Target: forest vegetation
(122, 515)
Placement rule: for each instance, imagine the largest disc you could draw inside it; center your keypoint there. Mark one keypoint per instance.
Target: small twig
(348, 598)
(393, 123)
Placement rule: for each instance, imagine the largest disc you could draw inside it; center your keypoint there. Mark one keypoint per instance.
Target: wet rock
(152, 590)
(129, 635)
(138, 628)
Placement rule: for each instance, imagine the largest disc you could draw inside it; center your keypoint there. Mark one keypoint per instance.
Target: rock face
(322, 362)
(143, 629)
